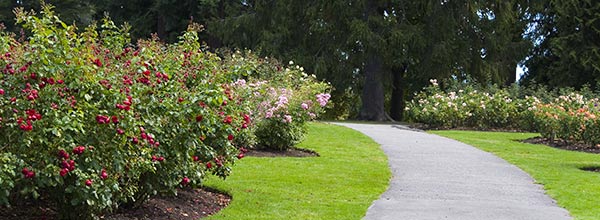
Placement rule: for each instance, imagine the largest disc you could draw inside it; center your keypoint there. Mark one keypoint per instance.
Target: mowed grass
(351, 172)
(558, 170)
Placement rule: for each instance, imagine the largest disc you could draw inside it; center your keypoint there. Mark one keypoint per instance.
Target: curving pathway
(438, 178)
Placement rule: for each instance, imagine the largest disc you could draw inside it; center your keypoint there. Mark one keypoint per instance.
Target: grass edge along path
(557, 170)
(350, 174)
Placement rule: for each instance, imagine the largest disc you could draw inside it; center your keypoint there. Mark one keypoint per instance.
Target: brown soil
(291, 152)
(565, 145)
(188, 204)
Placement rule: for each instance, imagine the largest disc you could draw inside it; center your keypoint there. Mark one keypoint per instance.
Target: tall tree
(80, 12)
(567, 37)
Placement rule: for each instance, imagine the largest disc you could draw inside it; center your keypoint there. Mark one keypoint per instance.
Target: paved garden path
(438, 178)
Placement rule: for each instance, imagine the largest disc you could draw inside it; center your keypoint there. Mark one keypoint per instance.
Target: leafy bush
(571, 116)
(468, 107)
(92, 123)
(284, 99)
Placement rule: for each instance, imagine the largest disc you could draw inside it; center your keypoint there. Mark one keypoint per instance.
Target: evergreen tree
(567, 36)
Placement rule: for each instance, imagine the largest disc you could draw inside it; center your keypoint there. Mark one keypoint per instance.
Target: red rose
(63, 172)
(114, 119)
(185, 181)
(228, 119)
(98, 62)
(78, 150)
(63, 154)
(103, 174)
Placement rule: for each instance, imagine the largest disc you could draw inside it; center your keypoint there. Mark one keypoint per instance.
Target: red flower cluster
(63, 154)
(97, 62)
(126, 104)
(33, 115)
(28, 173)
(102, 119)
(148, 138)
(78, 150)
(31, 94)
(247, 121)
(67, 166)
(25, 126)
(228, 119)
(157, 158)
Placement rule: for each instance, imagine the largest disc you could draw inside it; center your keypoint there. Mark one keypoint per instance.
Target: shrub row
(569, 117)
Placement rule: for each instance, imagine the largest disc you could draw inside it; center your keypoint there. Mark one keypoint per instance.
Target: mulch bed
(565, 145)
(187, 205)
(291, 152)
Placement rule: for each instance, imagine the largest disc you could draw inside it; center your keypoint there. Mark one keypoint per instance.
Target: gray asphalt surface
(438, 178)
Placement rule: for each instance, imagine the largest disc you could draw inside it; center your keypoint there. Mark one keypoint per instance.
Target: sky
(520, 72)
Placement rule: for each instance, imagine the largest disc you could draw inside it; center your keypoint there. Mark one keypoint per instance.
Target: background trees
(567, 38)
(377, 53)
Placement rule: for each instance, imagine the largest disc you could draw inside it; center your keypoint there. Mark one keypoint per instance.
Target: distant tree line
(377, 53)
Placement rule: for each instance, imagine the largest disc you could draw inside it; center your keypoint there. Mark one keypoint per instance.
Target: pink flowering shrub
(90, 123)
(284, 100)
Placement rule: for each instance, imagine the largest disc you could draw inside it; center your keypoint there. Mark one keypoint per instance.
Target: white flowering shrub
(468, 107)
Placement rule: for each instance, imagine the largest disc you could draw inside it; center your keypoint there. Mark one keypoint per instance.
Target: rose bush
(91, 123)
(569, 117)
(572, 116)
(284, 99)
(468, 107)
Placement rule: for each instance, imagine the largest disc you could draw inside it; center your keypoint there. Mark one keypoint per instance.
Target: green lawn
(558, 170)
(351, 172)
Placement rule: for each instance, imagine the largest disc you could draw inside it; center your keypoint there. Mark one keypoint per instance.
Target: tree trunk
(397, 102)
(161, 29)
(511, 70)
(372, 94)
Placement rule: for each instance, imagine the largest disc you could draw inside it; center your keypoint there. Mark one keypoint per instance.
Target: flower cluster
(284, 99)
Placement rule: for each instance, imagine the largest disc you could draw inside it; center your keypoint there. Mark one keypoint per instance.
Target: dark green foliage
(80, 12)
(568, 38)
